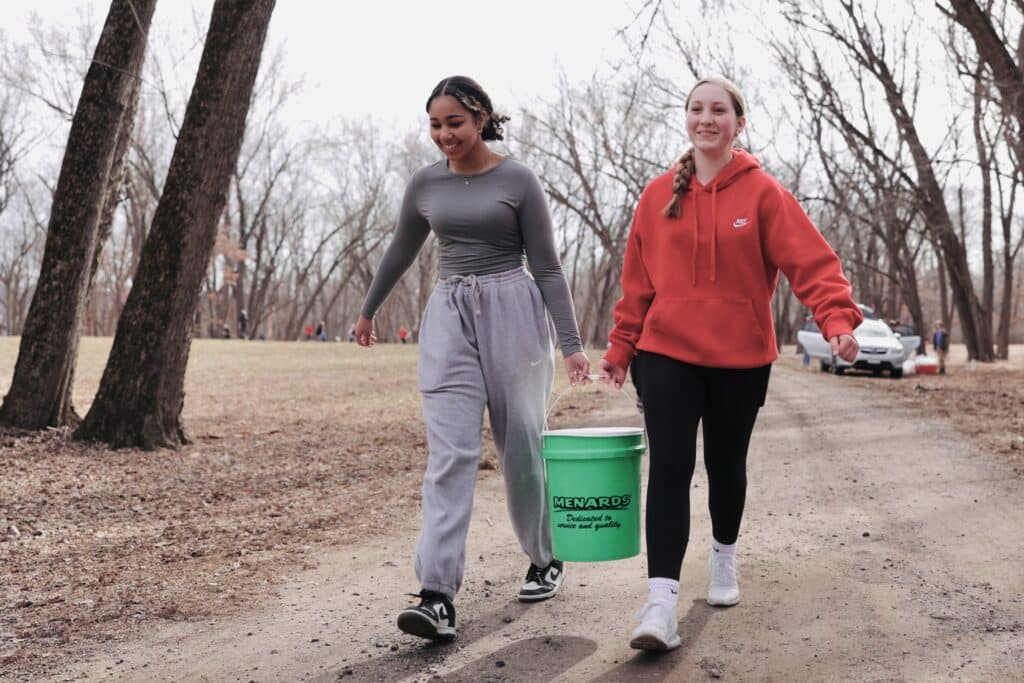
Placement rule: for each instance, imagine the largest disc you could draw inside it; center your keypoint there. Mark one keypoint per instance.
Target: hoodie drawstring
(714, 228)
(696, 239)
(696, 235)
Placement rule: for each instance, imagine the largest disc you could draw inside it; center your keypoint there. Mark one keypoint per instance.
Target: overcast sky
(381, 58)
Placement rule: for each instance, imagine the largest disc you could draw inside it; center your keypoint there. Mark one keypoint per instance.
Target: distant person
(483, 342)
(403, 335)
(321, 331)
(307, 330)
(243, 324)
(807, 356)
(940, 340)
(701, 264)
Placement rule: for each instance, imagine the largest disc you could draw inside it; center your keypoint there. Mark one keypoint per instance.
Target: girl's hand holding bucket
(612, 374)
(577, 367)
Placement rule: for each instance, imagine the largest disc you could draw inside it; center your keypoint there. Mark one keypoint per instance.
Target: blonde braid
(680, 184)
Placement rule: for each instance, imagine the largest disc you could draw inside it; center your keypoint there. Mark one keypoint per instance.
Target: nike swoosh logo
(740, 222)
(554, 574)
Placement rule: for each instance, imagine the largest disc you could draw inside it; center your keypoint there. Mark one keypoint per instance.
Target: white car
(881, 349)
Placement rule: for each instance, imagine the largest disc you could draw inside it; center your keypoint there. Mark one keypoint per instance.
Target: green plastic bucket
(594, 492)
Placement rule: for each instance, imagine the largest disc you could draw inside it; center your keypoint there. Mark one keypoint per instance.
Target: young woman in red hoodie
(701, 265)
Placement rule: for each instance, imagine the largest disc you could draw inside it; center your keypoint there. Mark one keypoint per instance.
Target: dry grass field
(297, 446)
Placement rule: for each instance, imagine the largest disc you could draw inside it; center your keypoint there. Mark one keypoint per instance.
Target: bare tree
(18, 239)
(40, 393)
(24, 232)
(996, 78)
(267, 154)
(393, 164)
(595, 149)
(147, 159)
(877, 218)
(141, 395)
(861, 39)
(994, 50)
(50, 68)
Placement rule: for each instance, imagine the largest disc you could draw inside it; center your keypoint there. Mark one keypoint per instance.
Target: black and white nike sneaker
(542, 582)
(433, 618)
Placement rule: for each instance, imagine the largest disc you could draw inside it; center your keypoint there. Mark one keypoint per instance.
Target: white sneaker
(723, 590)
(658, 629)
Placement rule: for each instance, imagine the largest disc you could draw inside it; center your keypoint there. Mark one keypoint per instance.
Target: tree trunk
(933, 206)
(911, 296)
(985, 168)
(40, 393)
(141, 394)
(781, 303)
(1005, 312)
(113, 196)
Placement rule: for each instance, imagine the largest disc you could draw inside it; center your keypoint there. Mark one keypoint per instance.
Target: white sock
(723, 549)
(664, 591)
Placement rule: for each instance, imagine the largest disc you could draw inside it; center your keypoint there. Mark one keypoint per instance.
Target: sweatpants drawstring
(469, 281)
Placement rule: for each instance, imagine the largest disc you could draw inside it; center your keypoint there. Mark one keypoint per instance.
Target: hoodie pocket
(718, 328)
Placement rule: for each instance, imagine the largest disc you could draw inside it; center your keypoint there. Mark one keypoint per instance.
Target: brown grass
(296, 445)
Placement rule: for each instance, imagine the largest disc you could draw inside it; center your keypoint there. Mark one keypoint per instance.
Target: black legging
(676, 396)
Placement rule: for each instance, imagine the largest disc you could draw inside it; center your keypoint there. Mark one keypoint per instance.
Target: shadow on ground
(538, 659)
(533, 660)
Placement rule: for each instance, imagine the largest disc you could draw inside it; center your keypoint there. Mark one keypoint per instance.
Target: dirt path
(877, 545)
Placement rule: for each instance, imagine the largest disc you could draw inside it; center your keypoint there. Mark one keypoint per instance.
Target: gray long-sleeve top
(484, 223)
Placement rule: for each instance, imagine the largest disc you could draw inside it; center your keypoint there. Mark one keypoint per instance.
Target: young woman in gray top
(484, 341)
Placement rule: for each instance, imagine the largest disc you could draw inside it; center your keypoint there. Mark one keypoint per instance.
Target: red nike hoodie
(698, 288)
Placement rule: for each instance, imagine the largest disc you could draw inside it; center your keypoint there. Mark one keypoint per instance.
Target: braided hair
(470, 95)
(685, 167)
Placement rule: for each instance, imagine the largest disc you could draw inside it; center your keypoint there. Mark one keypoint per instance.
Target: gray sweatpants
(484, 341)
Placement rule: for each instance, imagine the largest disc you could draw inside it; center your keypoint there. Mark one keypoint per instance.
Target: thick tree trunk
(141, 393)
(114, 185)
(40, 393)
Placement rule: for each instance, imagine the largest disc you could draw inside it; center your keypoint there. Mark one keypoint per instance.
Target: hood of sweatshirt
(742, 163)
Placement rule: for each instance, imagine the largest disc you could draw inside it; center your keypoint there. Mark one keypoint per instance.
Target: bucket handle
(632, 397)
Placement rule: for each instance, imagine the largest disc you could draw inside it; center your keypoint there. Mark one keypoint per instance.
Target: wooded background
(841, 109)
